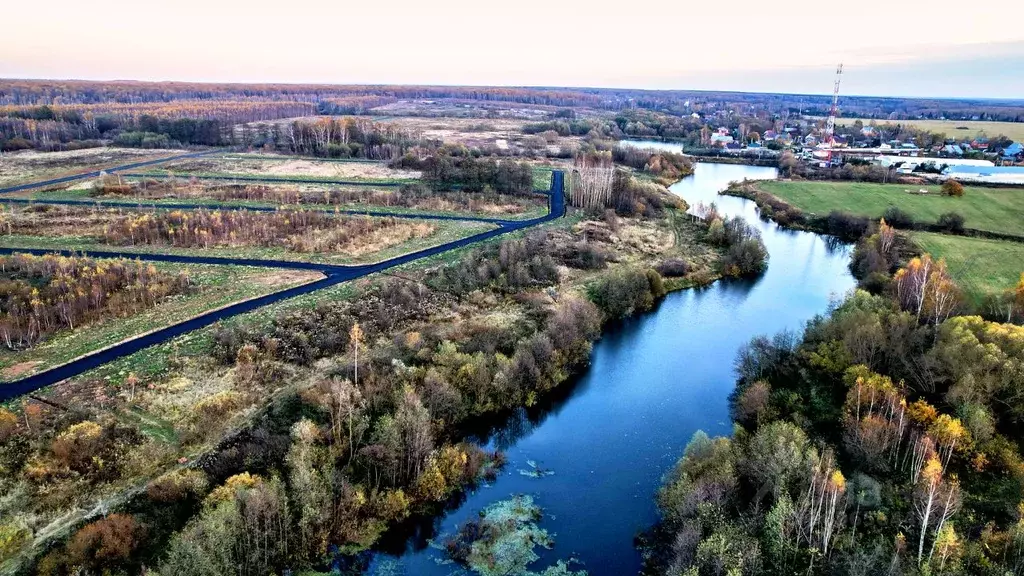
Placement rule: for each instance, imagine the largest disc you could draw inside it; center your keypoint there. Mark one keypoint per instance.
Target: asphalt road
(334, 275)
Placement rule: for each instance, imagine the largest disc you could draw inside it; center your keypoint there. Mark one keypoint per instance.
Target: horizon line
(525, 86)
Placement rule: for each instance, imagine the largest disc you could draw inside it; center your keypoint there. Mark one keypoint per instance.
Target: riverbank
(847, 456)
(984, 276)
(487, 329)
(607, 438)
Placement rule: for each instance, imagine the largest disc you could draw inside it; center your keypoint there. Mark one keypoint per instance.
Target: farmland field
(990, 209)
(30, 166)
(980, 266)
(411, 200)
(211, 287)
(307, 236)
(281, 167)
(953, 128)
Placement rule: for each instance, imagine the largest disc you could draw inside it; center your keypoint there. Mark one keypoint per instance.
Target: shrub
(78, 445)
(876, 282)
(233, 485)
(586, 257)
(177, 485)
(12, 539)
(751, 404)
(952, 188)
(716, 232)
(107, 542)
(216, 406)
(748, 258)
(846, 226)
(952, 222)
(8, 424)
(621, 294)
(898, 218)
(673, 268)
(656, 283)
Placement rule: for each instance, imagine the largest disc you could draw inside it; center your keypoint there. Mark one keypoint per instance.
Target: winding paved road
(334, 275)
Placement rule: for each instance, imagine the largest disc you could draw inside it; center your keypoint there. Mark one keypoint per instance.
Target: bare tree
(593, 176)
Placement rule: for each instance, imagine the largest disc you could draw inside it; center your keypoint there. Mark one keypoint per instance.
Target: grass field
(287, 167)
(528, 206)
(31, 166)
(989, 209)
(443, 232)
(213, 287)
(980, 266)
(952, 128)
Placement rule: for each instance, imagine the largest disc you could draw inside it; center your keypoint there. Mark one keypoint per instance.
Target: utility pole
(830, 127)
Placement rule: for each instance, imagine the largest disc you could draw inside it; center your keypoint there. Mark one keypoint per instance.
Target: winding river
(654, 380)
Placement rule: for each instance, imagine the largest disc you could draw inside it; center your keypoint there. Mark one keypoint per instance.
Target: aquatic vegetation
(504, 539)
(535, 471)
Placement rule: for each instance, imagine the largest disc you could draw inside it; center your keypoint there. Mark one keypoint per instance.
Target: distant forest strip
(354, 97)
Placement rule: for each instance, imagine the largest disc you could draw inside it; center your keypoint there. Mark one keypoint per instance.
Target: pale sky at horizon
(908, 48)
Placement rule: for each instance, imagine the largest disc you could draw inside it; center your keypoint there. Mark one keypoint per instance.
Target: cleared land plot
(210, 287)
(990, 209)
(306, 236)
(411, 200)
(30, 166)
(286, 167)
(952, 128)
(980, 266)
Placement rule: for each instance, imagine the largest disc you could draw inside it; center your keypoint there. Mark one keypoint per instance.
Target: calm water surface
(653, 382)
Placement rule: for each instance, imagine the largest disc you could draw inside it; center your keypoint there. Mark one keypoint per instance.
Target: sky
(888, 47)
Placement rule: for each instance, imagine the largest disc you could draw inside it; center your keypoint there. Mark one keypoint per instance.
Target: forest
(332, 138)
(368, 443)
(884, 439)
(149, 125)
(455, 168)
(369, 392)
(40, 295)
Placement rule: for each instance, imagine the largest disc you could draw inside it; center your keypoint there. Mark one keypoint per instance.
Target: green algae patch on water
(504, 541)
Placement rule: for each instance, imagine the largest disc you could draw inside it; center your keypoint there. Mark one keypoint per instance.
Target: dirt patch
(378, 240)
(336, 170)
(16, 370)
(286, 277)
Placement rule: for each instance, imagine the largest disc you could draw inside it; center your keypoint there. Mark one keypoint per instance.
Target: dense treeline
(453, 167)
(77, 91)
(40, 295)
(884, 440)
(36, 92)
(874, 444)
(667, 167)
(332, 138)
(206, 122)
(595, 183)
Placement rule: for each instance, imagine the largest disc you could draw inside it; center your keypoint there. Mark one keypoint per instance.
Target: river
(654, 380)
